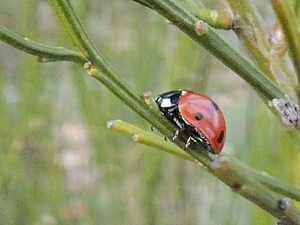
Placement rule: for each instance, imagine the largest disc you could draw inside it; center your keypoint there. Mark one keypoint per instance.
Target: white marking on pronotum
(166, 103)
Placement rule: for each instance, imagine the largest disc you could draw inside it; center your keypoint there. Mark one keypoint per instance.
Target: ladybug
(195, 115)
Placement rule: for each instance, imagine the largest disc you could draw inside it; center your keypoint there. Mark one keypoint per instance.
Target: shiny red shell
(204, 114)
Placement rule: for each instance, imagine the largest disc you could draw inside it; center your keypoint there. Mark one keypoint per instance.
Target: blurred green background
(60, 164)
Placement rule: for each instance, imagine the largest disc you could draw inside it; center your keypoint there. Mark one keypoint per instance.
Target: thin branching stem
(241, 180)
(143, 137)
(253, 190)
(212, 42)
(270, 182)
(252, 33)
(289, 24)
(149, 138)
(102, 71)
(44, 53)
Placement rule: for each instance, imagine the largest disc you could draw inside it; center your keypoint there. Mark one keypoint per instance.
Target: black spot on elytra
(221, 137)
(214, 106)
(199, 116)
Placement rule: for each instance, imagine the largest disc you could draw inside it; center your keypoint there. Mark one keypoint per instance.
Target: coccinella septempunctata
(195, 115)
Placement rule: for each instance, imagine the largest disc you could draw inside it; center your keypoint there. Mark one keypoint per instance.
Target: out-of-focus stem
(212, 42)
(252, 33)
(288, 21)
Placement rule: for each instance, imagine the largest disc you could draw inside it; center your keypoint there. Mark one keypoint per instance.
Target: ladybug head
(168, 100)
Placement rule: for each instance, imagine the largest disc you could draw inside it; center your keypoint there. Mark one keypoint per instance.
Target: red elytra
(204, 114)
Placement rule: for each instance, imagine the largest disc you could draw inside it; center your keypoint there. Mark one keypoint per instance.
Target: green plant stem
(150, 139)
(153, 115)
(270, 182)
(253, 35)
(102, 71)
(253, 190)
(143, 137)
(212, 42)
(289, 25)
(44, 53)
(221, 19)
(99, 68)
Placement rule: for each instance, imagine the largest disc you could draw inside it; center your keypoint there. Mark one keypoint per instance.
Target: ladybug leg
(175, 136)
(188, 142)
